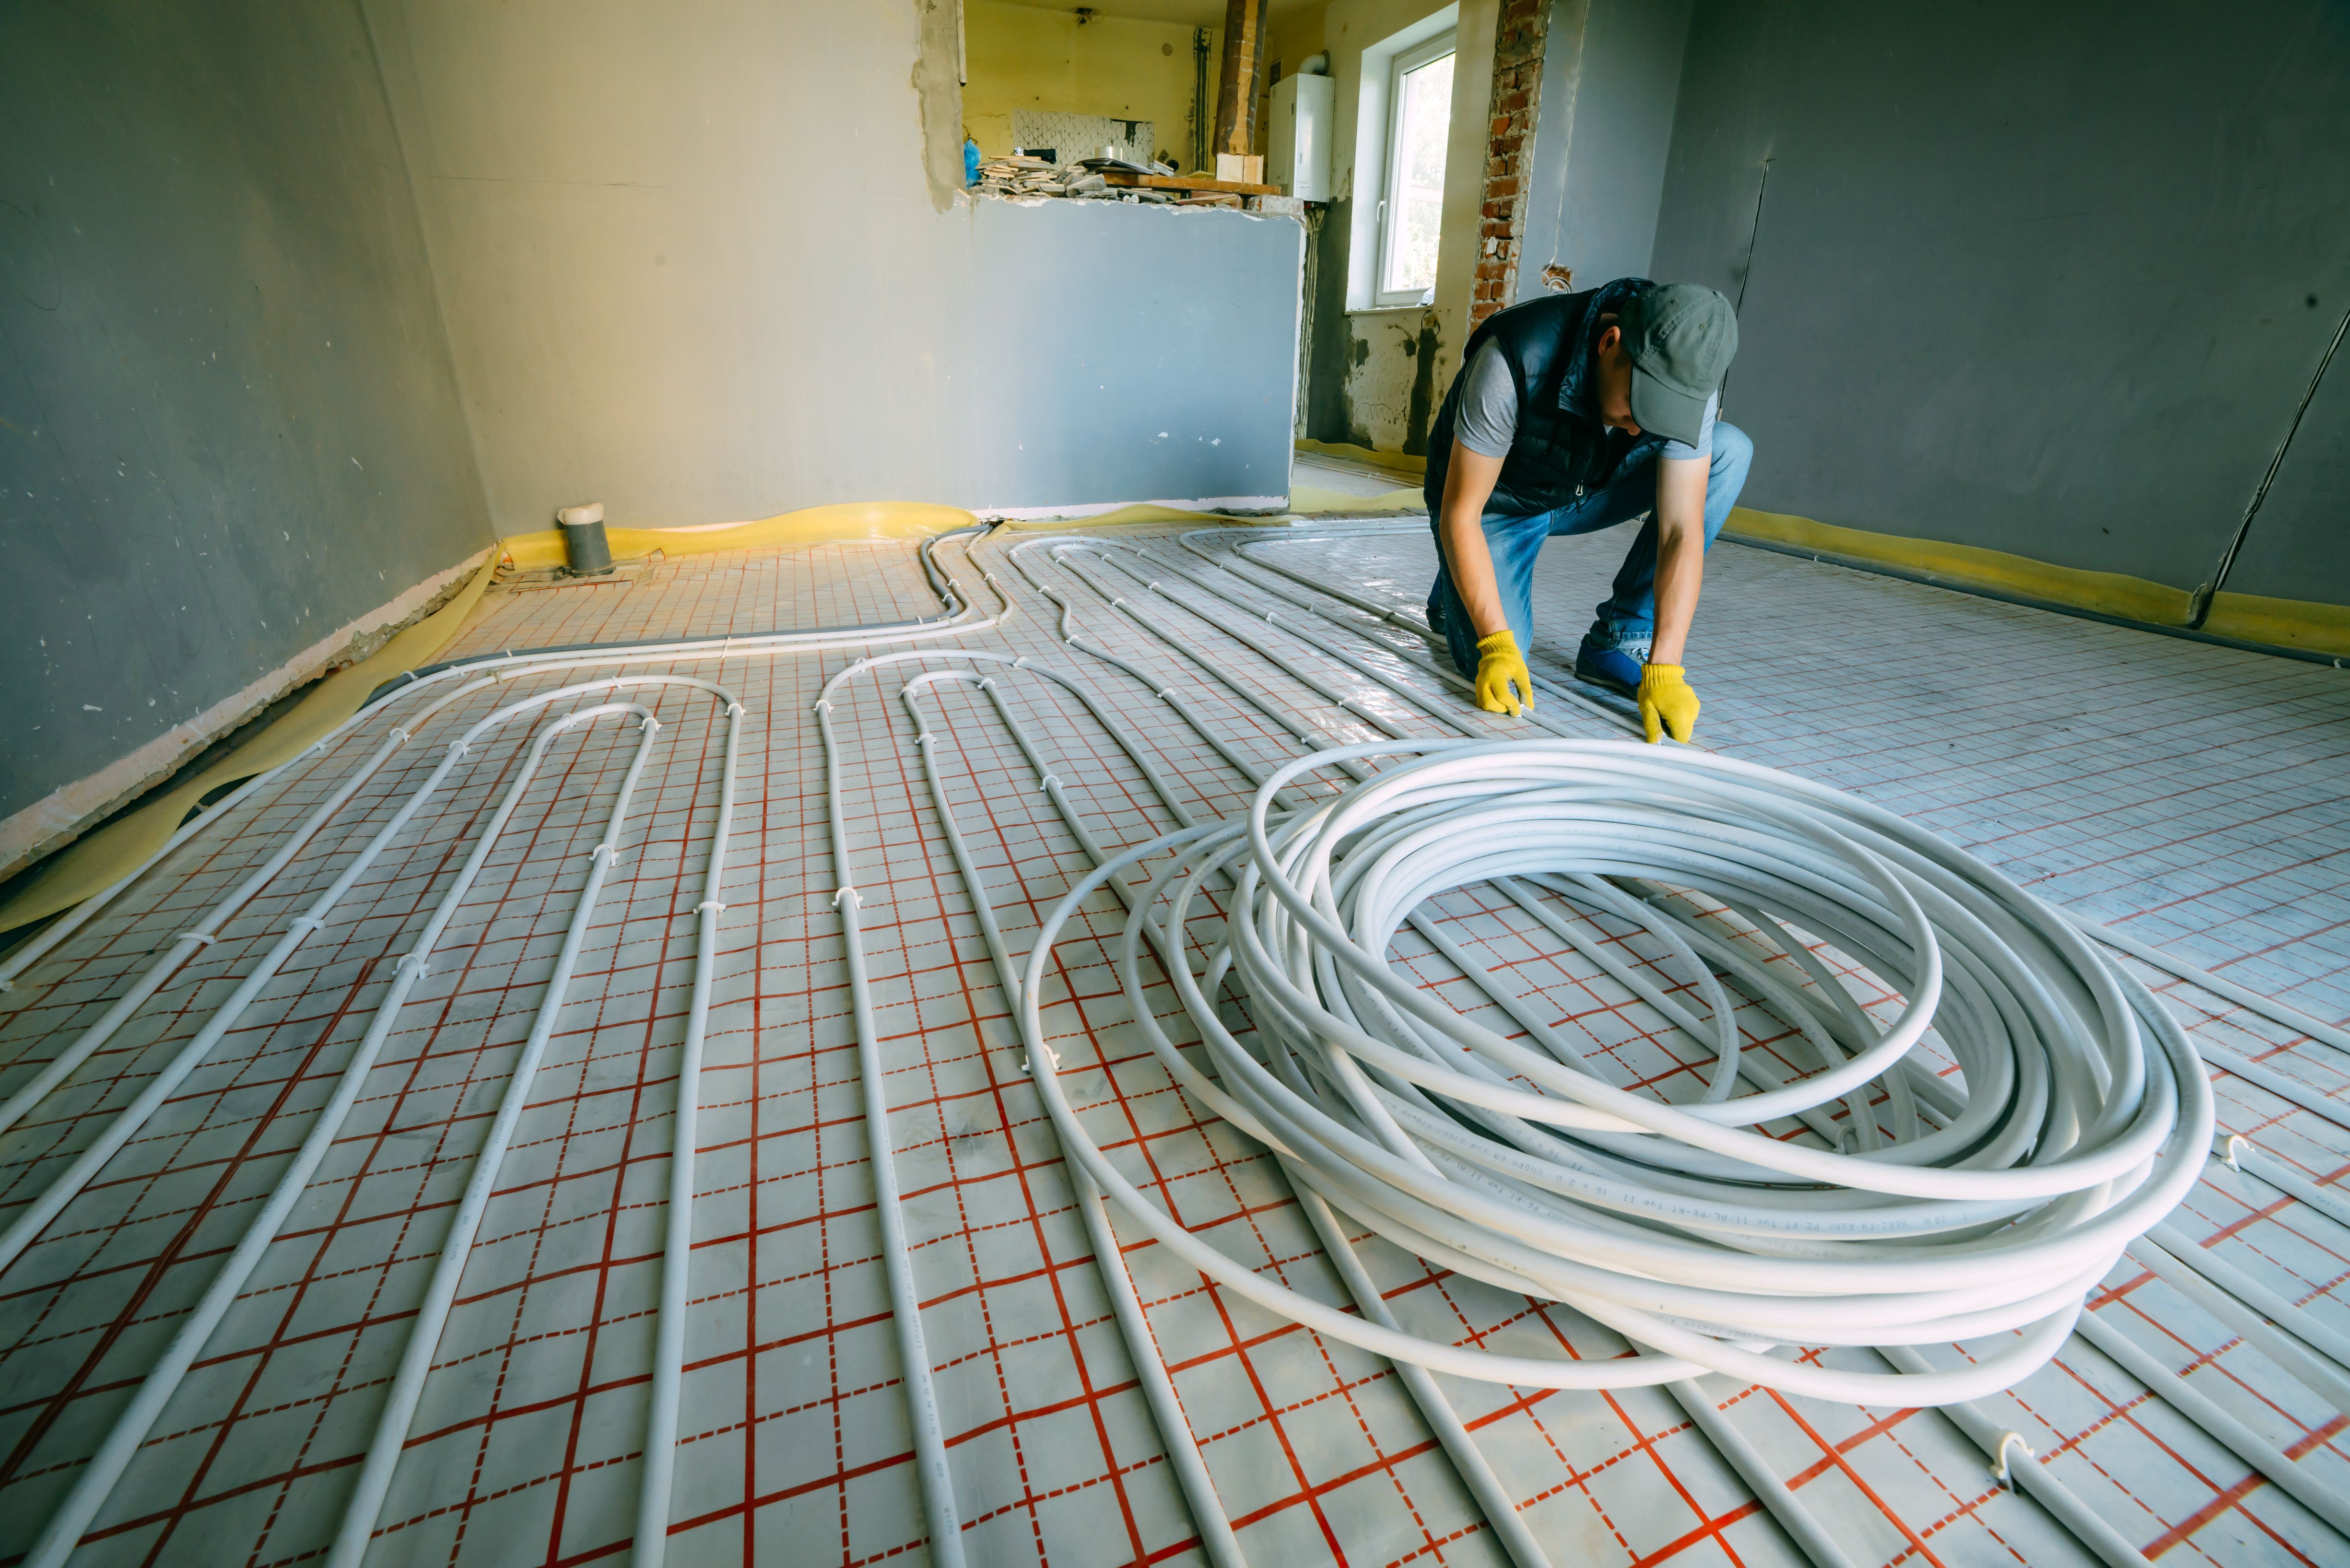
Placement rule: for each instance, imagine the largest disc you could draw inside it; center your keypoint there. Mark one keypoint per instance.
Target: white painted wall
(693, 268)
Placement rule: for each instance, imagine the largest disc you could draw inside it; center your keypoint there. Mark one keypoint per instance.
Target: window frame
(1399, 69)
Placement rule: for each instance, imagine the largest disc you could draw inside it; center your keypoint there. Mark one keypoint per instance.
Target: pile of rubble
(1020, 175)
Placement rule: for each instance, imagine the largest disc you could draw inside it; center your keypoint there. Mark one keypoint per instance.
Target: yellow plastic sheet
(1310, 501)
(847, 523)
(1403, 461)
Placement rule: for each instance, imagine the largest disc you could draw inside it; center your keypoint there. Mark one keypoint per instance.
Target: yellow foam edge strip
(2298, 624)
(1403, 461)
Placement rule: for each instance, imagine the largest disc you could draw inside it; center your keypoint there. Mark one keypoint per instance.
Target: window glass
(1418, 133)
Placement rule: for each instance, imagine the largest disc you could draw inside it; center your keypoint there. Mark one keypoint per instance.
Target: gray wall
(1611, 81)
(228, 420)
(2045, 278)
(692, 269)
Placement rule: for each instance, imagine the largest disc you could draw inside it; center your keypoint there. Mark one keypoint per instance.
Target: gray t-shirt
(1487, 419)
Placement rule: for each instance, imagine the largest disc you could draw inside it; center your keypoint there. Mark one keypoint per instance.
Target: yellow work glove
(1498, 664)
(1667, 703)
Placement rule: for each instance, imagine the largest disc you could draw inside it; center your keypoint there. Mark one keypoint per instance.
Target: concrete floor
(2200, 798)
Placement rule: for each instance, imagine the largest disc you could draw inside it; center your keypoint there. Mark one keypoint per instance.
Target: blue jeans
(1628, 618)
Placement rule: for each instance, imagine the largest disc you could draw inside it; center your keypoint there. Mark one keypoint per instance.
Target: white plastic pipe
(374, 1480)
(1802, 1526)
(2164, 1245)
(2110, 1546)
(961, 617)
(129, 1430)
(61, 1189)
(17, 962)
(2223, 1428)
(659, 1470)
(207, 931)
(98, 1478)
(1207, 1513)
(2268, 1007)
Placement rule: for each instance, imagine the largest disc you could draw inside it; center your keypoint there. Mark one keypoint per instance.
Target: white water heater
(1297, 136)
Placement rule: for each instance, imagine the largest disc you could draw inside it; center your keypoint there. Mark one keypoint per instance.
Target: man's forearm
(1460, 530)
(1471, 565)
(1681, 557)
(1680, 567)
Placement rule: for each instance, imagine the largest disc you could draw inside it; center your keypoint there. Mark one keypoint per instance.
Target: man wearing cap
(1572, 413)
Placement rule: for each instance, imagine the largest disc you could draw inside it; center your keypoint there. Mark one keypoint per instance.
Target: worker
(1572, 413)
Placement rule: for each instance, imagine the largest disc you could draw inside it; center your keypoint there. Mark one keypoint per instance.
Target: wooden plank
(1187, 182)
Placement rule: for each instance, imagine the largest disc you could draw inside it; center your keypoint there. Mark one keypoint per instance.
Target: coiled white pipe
(1670, 1223)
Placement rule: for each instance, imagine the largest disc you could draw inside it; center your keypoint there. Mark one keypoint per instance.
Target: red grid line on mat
(785, 1263)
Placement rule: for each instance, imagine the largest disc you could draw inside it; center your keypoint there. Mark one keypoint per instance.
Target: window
(1420, 118)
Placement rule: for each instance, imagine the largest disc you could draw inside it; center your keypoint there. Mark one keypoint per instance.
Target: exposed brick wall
(1518, 40)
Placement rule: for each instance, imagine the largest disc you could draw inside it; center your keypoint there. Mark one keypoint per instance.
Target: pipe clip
(609, 850)
(402, 736)
(735, 711)
(204, 937)
(854, 902)
(304, 923)
(1026, 1067)
(1998, 1471)
(2229, 1151)
(823, 705)
(1051, 780)
(713, 905)
(650, 726)
(413, 960)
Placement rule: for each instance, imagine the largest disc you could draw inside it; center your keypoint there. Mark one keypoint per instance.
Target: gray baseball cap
(1681, 338)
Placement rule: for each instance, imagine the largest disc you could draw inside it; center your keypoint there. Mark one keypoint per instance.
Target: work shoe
(1613, 668)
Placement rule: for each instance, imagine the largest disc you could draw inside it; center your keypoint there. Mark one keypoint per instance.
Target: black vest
(1560, 453)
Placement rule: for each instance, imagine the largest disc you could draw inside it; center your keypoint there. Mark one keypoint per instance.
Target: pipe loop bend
(1806, 1174)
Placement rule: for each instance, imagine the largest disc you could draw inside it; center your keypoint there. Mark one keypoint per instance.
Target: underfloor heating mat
(1080, 1046)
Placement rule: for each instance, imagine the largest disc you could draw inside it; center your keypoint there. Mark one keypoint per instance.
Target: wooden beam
(1236, 89)
(1124, 180)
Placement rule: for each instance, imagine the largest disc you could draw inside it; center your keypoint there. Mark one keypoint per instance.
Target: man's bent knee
(1733, 450)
